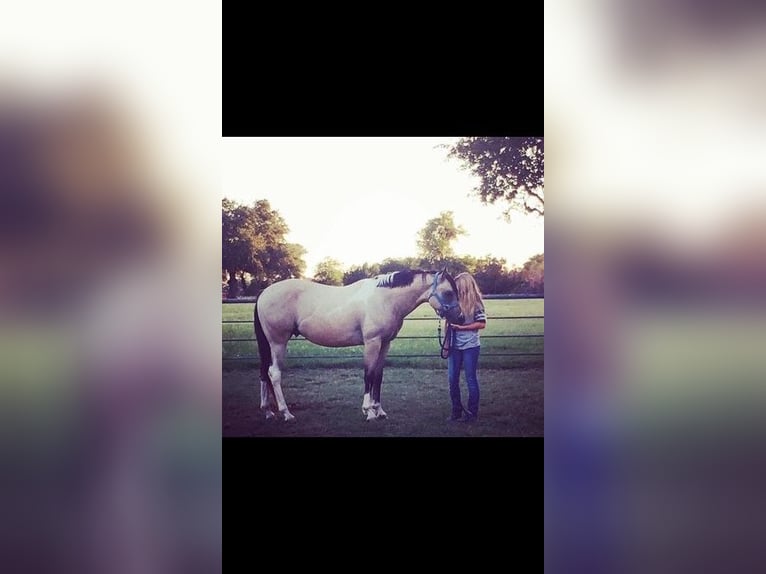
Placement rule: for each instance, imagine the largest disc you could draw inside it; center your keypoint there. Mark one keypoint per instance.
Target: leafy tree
(357, 272)
(434, 240)
(400, 263)
(459, 264)
(511, 170)
(253, 240)
(284, 261)
(491, 275)
(237, 250)
(329, 272)
(533, 273)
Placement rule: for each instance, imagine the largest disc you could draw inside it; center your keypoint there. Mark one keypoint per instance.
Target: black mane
(399, 278)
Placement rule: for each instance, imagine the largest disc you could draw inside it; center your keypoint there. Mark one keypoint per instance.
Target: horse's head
(443, 297)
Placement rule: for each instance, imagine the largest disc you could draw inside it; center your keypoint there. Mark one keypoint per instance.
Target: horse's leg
(268, 400)
(367, 391)
(371, 354)
(378, 380)
(275, 374)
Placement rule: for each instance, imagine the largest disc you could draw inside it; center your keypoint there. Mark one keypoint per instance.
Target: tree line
(491, 273)
(256, 254)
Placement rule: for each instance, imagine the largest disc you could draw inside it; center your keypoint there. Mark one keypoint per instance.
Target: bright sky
(365, 199)
(159, 61)
(163, 59)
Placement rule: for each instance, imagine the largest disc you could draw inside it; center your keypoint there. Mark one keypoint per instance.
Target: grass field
(327, 402)
(325, 394)
(352, 356)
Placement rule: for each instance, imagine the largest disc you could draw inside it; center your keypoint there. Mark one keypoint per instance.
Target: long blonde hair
(469, 295)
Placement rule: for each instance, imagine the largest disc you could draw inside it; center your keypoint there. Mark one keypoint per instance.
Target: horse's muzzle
(453, 315)
(460, 320)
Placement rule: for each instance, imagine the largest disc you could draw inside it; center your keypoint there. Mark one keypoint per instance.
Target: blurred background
(656, 241)
(109, 298)
(109, 361)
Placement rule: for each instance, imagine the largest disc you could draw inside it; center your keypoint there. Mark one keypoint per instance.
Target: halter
(444, 306)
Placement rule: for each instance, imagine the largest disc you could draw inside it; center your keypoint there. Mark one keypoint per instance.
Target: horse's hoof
(382, 415)
(289, 417)
(371, 415)
(269, 415)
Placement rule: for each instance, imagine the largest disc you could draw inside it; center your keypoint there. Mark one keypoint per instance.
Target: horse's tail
(264, 348)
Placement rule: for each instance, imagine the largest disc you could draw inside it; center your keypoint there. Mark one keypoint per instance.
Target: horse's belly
(327, 337)
(326, 341)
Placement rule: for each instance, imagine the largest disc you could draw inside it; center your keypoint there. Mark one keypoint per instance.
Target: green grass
(352, 356)
(327, 402)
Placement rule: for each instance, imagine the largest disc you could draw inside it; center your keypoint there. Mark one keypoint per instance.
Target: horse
(369, 312)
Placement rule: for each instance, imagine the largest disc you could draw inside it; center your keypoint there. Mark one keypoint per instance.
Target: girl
(464, 348)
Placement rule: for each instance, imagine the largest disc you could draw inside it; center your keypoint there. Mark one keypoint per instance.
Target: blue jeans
(467, 359)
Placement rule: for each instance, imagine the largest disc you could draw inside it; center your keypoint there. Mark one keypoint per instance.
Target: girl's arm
(471, 326)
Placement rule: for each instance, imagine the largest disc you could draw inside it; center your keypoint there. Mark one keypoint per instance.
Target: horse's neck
(407, 299)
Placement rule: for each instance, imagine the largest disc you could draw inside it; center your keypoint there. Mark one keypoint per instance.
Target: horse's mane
(398, 278)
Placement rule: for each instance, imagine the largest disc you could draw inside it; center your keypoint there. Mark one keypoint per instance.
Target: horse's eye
(449, 295)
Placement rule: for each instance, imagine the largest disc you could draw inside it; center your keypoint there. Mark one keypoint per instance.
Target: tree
(459, 264)
(285, 261)
(391, 264)
(357, 272)
(510, 170)
(435, 238)
(236, 249)
(533, 273)
(254, 242)
(329, 272)
(491, 275)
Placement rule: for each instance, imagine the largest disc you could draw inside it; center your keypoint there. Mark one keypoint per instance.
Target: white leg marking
(276, 381)
(371, 414)
(266, 401)
(264, 395)
(366, 403)
(378, 410)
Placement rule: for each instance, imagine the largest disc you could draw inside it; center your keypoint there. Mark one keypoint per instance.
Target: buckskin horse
(369, 312)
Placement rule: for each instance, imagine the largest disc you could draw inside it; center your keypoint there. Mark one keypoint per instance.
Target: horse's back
(325, 314)
(289, 288)
(296, 289)
(300, 296)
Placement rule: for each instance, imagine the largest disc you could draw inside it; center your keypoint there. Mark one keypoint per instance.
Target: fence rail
(358, 355)
(249, 321)
(251, 299)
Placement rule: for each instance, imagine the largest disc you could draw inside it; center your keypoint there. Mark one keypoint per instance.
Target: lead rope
(443, 348)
